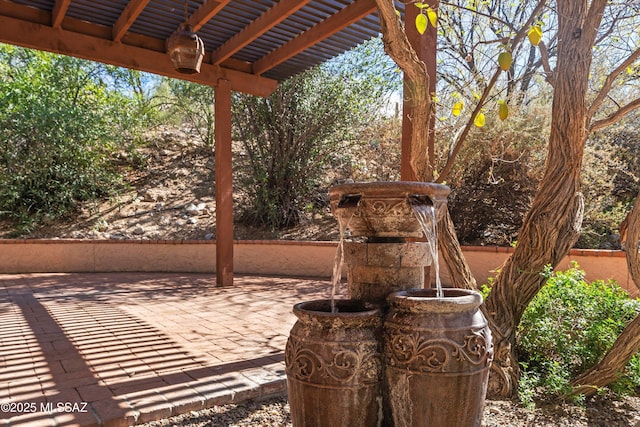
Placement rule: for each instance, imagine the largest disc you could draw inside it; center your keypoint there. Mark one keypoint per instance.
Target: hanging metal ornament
(185, 48)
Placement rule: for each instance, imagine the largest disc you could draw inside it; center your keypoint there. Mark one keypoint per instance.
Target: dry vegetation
(171, 193)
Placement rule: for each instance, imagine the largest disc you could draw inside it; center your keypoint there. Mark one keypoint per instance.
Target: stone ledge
(261, 257)
(323, 243)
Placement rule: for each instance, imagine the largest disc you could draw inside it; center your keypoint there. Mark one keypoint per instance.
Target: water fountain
(397, 353)
(383, 215)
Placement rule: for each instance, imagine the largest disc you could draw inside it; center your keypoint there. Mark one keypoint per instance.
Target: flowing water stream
(426, 216)
(338, 261)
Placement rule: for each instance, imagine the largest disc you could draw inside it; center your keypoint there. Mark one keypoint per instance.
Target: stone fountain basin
(384, 209)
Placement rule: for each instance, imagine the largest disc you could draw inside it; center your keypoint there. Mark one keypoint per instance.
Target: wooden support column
(425, 47)
(224, 184)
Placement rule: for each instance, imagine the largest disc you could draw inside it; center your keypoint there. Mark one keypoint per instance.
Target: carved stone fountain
(382, 213)
(395, 354)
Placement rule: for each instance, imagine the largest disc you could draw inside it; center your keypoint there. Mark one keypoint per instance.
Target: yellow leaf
(433, 16)
(535, 35)
(503, 110)
(479, 120)
(397, 12)
(457, 108)
(421, 5)
(629, 70)
(504, 60)
(421, 23)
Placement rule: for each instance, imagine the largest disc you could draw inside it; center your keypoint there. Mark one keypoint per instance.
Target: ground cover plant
(566, 329)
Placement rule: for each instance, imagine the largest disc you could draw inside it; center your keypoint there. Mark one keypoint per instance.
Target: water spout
(419, 200)
(426, 216)
(349, 201)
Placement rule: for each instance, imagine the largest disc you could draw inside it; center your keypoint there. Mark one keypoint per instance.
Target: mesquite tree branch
(485, 94)
(608, 84)
(616, 115)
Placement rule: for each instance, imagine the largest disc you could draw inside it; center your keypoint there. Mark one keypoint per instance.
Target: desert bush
(287, 139)
(377, 155)
(59, 124)
(567, 328)
(496, 176)
(610, 183)
(186, 103)
(300, 139)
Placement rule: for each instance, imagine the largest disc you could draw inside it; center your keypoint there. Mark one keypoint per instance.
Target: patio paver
(118, 349)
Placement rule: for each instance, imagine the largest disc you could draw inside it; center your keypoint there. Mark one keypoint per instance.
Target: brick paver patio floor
(125, 348)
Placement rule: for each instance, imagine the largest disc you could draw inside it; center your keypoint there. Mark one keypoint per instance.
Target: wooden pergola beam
(127, 18)
(224, 184)
(44, 37)
(208, 10)
(335, 23)
(59, 10)
(269, 19)
(425, 47)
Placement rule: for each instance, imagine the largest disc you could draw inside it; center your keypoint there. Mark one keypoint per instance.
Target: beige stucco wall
(288, 258)
(597, 264)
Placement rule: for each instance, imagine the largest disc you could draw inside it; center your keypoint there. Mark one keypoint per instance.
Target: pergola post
(224, 184)
(425, 47)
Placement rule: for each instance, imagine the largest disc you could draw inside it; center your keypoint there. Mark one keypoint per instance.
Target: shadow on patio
(123, 348)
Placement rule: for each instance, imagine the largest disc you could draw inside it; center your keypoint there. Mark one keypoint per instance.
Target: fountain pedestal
(383, 215)
(374, 270)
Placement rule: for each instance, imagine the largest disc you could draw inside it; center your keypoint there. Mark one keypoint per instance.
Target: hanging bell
(186, 50)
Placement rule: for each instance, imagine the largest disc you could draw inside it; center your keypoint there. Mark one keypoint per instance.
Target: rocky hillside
(171, 196)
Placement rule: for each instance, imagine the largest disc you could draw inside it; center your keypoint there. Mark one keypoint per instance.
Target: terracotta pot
(437, 356)
(383, 209)
(334, 365)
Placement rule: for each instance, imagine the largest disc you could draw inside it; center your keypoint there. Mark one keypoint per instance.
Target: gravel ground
(598, 412)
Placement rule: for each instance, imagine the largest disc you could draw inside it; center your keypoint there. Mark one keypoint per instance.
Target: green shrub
(188, 103)
(299, 140)
(60, 121)
(568, 327)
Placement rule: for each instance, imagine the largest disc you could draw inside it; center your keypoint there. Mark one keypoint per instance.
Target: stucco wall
(597, 264)
(288, 258)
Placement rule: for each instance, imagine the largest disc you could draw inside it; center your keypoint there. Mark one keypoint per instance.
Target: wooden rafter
(58, 17)
(127, 18)
(43, 37)
(272, 17)
(59, 10)
(340, 20)
(208, 10)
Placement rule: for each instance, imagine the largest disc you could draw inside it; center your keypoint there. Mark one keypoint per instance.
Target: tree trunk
(397, 46)
(553, 223)
(628, 343)
(459, 271)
